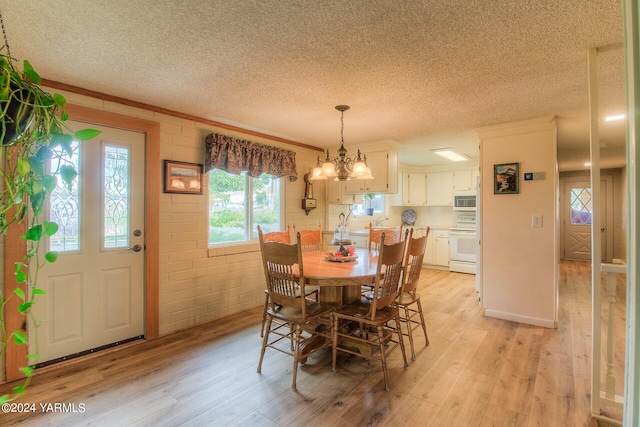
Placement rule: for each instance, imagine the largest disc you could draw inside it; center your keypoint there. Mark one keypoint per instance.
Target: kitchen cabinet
(441, 249)
(359, 241)
(440, 189)
(384, 168)
(437, 250)
(335, 193)
(417, 231)
(475, 179)
(465, 180)
(412, 190)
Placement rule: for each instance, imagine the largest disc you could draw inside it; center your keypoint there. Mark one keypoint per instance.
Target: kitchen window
(374, 201)
(238, 203)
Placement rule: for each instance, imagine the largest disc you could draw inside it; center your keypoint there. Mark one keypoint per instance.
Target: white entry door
(95, 290)
(578, 208)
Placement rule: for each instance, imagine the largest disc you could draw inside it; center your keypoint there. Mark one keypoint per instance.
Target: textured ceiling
(422, 73)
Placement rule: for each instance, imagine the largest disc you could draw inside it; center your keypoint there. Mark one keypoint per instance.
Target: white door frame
(631, 16)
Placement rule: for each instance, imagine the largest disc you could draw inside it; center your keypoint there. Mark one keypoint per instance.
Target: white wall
(519, 262)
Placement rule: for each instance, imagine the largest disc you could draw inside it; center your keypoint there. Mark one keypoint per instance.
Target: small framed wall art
(182, 177)
(505, 178)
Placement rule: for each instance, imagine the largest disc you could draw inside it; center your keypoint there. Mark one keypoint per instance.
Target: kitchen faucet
(380, 220)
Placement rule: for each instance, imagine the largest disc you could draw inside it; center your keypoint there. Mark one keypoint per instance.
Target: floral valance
(238, 155)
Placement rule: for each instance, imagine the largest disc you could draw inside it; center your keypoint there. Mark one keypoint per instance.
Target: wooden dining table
(339, 282)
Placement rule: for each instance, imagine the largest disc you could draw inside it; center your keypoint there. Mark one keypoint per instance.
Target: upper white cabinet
(440, 189)
(465, 180)
(336, 194)
(384, 168)
(412, 190)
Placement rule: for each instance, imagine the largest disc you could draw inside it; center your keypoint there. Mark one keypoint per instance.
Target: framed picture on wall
(182, 177)
(505, 178)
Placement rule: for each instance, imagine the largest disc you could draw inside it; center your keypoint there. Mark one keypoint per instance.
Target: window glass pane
(227, 203)
(581, 206)
(376, 203)
(116, 196)
(64, 204)
(266, 204)
(233, 217)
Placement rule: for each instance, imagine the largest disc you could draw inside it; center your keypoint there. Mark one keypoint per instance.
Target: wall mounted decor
(182, 177)
(308, 203)
(505, 178)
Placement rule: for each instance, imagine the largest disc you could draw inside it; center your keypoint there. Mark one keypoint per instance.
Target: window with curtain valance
(238, 155)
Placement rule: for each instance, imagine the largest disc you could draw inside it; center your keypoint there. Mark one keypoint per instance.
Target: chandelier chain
(341, 126)
(4, 34)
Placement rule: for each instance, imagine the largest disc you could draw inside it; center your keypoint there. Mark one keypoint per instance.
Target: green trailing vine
(34, 138)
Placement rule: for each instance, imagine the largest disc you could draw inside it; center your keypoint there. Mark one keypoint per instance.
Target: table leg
(339, 296)
(351, 294)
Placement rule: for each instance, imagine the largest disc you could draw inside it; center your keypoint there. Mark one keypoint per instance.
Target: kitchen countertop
(365, 231)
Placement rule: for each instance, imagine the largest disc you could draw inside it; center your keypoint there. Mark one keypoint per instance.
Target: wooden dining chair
(277, 236)
(393, 235)
(367, 327)
(408, 301)
(281, 237)
(304, 323)
(311, 239)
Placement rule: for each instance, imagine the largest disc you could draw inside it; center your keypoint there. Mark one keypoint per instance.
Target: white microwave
(464, 202)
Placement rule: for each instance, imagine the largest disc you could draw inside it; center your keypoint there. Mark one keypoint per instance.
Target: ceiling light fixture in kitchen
(342, 167)
(451, 154)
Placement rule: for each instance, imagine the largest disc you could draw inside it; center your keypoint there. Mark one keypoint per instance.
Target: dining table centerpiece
(342, 254)
(341, 235)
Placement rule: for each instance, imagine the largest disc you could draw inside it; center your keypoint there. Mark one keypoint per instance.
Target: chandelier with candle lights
(342, 167)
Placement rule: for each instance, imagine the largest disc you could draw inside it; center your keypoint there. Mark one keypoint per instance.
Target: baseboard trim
(535, 321)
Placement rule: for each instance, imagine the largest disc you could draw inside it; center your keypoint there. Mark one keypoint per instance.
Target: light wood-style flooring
(477, 371)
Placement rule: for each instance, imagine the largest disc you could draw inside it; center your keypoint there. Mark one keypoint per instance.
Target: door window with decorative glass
(581, 206)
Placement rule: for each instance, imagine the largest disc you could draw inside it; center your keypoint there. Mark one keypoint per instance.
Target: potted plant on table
(33, 137)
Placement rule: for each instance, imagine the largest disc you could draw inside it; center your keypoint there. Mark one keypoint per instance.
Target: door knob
(136, 248)
(602, 229)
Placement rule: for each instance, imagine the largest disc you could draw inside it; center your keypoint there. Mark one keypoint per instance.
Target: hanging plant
(32, 133)
(34, 138)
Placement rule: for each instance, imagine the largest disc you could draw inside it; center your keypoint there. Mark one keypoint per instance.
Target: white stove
(465, 221)
(463, 244)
